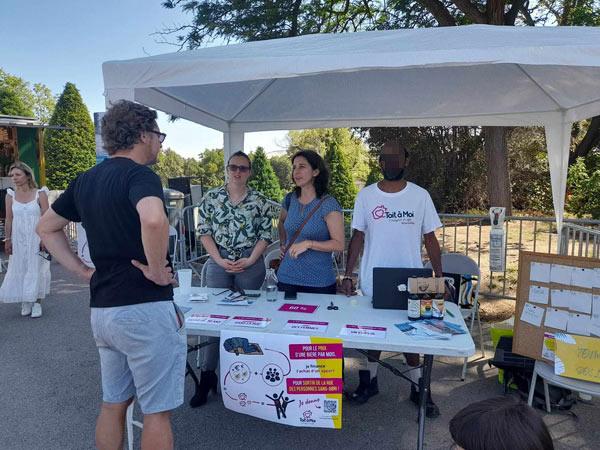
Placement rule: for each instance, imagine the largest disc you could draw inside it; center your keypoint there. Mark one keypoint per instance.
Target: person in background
(307, 262)
(138, 329)
(235, 229)
(27, 280)
(391, 219)
(498, 424)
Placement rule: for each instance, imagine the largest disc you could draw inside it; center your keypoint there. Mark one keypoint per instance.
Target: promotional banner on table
(295, 380)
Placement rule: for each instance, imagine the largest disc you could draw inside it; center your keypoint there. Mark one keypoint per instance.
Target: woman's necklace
(236, 199)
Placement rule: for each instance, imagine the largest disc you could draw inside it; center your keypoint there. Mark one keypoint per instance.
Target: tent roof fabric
(467, 75)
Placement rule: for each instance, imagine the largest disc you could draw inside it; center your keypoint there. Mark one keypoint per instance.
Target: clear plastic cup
(184, 276)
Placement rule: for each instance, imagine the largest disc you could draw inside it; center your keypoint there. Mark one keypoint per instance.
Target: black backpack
(518, 373)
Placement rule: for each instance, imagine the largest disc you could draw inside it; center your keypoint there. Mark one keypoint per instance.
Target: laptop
(385, 286)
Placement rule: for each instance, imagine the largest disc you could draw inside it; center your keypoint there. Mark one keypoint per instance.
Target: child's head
(500, 423)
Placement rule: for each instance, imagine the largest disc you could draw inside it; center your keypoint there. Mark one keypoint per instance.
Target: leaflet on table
(208, 319)
(292, 307)
(430, 329)
(306, 325)
(366, 331)
(250, 322)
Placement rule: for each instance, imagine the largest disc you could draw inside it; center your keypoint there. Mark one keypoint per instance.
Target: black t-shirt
(103, 199)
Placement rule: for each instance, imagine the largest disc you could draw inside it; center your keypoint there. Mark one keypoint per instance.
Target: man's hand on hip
(162, 276)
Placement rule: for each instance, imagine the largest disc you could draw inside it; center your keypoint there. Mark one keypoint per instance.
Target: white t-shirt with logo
(394, 224)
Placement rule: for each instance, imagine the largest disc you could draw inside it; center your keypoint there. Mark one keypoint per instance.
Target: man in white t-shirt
(390, 220)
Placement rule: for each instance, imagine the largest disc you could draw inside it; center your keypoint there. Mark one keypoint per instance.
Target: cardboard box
(426, 285)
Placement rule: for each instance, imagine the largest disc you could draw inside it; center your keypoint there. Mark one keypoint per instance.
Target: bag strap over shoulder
(299, 230)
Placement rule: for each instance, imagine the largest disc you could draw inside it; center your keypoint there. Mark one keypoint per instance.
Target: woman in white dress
(27, 280)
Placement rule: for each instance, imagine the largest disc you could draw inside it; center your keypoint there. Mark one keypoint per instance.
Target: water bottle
(270, 285)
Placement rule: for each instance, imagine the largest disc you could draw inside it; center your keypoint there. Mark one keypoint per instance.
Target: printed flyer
(294, 380)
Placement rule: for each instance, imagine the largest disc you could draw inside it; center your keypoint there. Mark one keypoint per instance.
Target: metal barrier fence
(461, 233)
(469, 234)
(580, 241)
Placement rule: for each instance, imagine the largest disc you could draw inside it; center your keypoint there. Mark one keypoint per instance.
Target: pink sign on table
(312, 386)
(291, 307)
(317, 351)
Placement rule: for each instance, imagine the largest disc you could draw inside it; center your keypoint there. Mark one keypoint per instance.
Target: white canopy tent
(469, 75)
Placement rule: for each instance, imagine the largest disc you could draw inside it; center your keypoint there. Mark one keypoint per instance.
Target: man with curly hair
(136, 325)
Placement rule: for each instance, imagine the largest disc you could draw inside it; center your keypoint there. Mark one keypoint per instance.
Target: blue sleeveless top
(312, 268)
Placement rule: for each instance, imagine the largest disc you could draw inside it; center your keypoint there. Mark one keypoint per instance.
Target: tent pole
(233, 141)
(558, 142)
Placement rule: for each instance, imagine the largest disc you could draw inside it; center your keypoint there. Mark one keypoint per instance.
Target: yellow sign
(577, 357)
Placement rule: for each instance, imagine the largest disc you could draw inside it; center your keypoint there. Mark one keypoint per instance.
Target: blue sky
(53, 42)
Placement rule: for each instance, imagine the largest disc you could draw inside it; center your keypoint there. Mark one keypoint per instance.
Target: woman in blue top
(307, 265)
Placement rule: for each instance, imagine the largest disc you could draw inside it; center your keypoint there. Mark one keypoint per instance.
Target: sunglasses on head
(235, 168)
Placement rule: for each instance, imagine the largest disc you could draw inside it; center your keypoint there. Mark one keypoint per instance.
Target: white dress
(28, 274)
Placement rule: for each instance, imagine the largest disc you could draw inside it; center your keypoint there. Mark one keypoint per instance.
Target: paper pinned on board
(579, 324)
(560, 298)
(561, 274)
(581, 302)
(538, 294)
(540, 272)
(557, 318)
(583, 277)
(532, 314)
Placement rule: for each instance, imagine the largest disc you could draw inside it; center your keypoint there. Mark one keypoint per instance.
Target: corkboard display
(528, 338)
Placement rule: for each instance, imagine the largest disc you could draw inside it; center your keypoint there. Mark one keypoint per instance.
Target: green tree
(44, 102)
(282, 167)
(374, 175)
(529, 171)
(169, 165)
(341, 185)
(352, 147)
(12, 105)
(17, 95)
(229, 20)
(263, 177)
(72, 151)
(213, 168)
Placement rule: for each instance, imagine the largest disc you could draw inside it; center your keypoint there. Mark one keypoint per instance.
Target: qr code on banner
(330, 407)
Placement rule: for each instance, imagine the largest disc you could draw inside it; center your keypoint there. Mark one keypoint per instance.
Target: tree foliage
(236, 21)
(263, 177)
(529, 171)
(72, 151)
(13, 105)
(19, 98)
(374, 174)
(210, 169)
(169, 165)
(282, 167)
(356, 153)
(583, 186)
(341, 185)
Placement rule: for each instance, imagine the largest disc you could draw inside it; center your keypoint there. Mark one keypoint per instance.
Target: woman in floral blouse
(235, 229)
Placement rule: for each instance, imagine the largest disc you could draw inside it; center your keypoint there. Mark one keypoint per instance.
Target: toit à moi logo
(381, 212)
